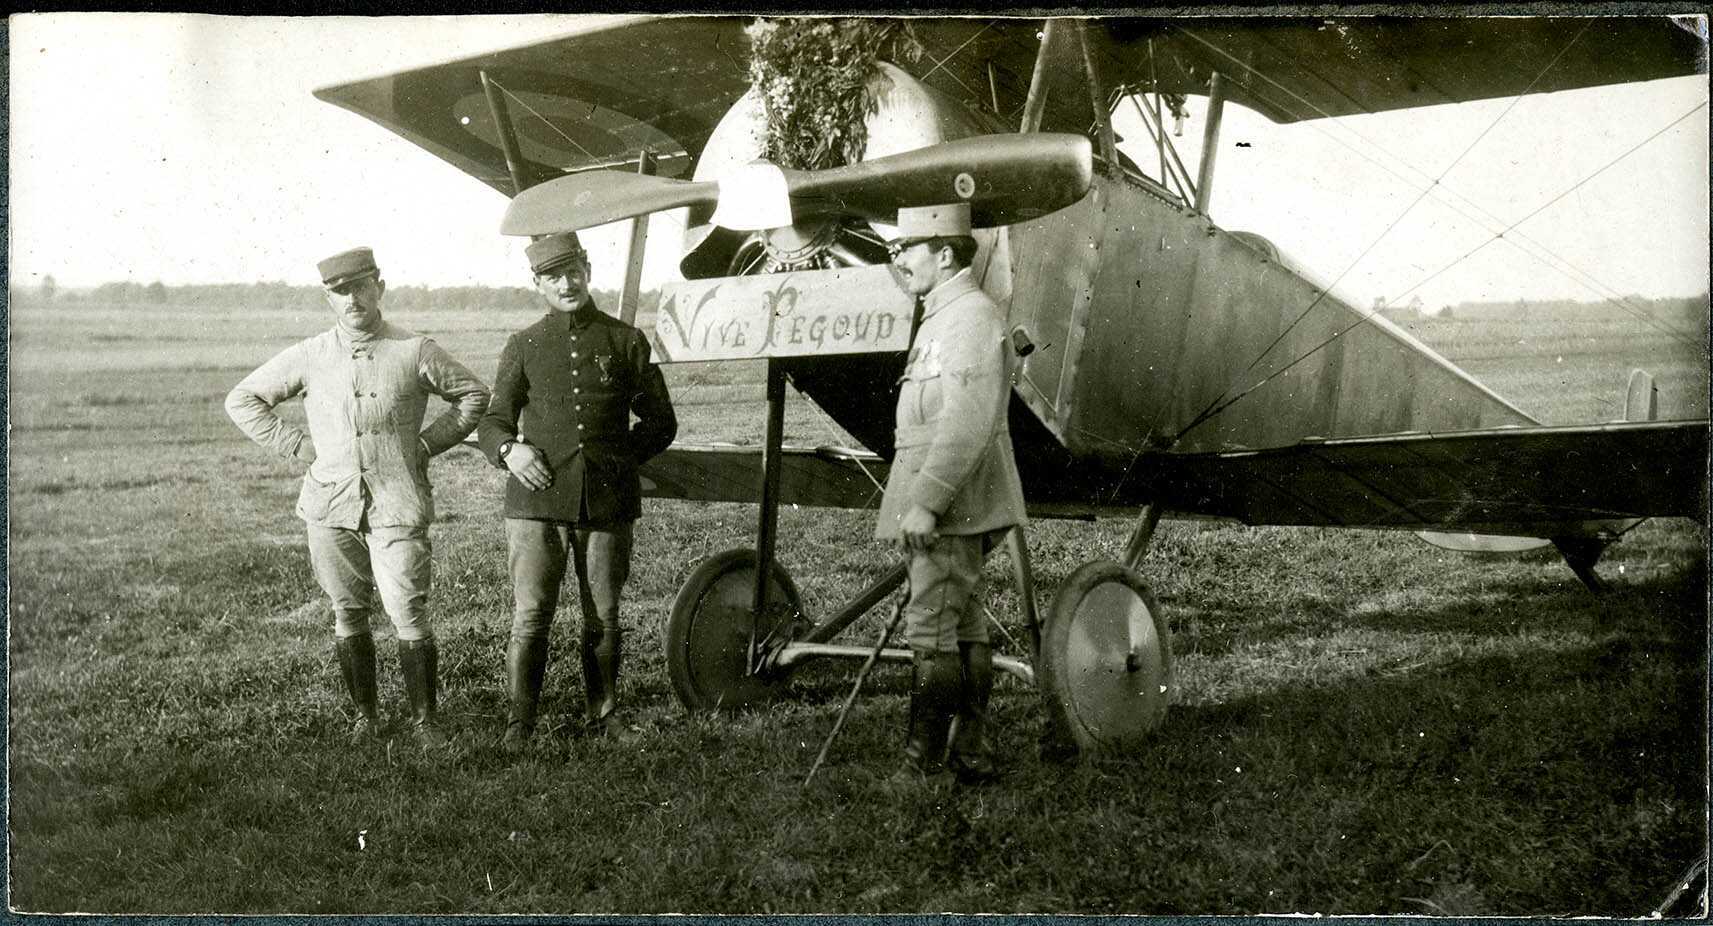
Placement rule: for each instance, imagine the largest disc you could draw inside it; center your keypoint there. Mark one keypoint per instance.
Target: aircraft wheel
(708, 634)
(1106, 656)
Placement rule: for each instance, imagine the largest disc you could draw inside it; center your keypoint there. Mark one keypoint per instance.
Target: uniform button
(573, 355)
(371, 395)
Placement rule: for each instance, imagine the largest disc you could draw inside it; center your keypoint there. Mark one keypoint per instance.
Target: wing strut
(508, 134)
(645, 164)
(1210, 141)
(1036, 103)
(1097, 102)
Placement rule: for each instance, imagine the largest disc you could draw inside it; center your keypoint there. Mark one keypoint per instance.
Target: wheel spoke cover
(1107, 658)
(708, 634)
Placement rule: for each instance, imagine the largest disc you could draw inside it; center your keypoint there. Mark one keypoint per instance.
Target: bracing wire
(1670, 330)
(1487, 219)
(544, 120)
(1227, 403)
(1205, 413)
(1220, 403)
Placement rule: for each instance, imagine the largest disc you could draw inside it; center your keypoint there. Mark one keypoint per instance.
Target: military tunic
(364, 399)
(568, 385)
(953, 457)
(953, 444)
(366, 501)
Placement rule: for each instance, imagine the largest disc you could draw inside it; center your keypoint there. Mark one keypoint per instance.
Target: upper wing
(601, 97)
(1296, 69)
(1536, 482)
(594, 99)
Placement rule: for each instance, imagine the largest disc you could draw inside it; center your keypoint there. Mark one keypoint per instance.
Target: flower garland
(812, 75)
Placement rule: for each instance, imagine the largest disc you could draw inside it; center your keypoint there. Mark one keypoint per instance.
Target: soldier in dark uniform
(559, 422)
(953, 490)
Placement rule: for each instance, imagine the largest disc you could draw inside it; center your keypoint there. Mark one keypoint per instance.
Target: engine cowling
(907, 115)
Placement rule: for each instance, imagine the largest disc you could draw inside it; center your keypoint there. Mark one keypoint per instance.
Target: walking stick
(850, 699)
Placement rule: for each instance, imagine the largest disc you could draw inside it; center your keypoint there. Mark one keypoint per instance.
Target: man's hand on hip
(526, 463)
(917, 531)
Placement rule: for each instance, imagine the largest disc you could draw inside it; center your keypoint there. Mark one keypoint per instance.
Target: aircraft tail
(1582, 547)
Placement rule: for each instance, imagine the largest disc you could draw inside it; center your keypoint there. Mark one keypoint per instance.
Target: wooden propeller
(1004, 178)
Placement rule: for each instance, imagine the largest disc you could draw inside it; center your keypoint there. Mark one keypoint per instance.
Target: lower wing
(1537, 482)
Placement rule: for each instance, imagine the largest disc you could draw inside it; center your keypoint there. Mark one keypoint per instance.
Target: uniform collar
(582, 316)
(353, 339)
(959, 284)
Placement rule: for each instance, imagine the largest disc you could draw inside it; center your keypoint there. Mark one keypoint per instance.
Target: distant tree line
(284, 296)
(1684, 313)
(1688, 313)
(1522, 309)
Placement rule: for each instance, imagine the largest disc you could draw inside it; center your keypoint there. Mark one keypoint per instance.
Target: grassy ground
(1363, 724)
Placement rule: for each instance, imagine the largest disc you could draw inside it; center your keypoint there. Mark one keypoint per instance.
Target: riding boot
(526, 664)
(602, 654)
(971, 759)
(934, 684)
(357, 667)
(419, 662)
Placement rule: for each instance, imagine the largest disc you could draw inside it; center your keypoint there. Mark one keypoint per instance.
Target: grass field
(1363, 724)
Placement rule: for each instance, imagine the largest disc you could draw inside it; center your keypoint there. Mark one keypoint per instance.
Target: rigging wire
(1370, 314)
(1388, 229)
(1488, 220)
(1219, 403)
(544, 120)
(953, 54)
(1522, 242)
(1668, 329)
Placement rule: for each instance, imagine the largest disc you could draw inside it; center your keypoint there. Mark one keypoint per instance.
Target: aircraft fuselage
(1145, 316)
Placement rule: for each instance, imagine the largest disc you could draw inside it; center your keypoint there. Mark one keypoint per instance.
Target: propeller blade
(596, 197)
(1005, 178)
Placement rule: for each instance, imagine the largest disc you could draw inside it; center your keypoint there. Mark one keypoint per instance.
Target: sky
(193, 152)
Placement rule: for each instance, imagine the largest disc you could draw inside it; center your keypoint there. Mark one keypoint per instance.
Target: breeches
(944, 610)
(537, 552)
(352, 564)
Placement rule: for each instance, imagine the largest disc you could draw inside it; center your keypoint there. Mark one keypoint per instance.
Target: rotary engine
(907, 115)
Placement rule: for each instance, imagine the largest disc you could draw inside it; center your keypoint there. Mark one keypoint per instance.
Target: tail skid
(1582, 549)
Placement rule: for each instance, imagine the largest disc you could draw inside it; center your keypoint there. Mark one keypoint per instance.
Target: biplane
(1173, 366)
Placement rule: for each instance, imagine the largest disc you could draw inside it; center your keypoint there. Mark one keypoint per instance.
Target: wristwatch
(505, 448)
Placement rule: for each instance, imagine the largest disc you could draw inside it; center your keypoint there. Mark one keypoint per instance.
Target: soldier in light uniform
(559, 423)
(366, 501)
(953, 490)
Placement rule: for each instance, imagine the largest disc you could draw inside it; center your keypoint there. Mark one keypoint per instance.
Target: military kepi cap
(951, 220)
(550, 251)
(347, 266)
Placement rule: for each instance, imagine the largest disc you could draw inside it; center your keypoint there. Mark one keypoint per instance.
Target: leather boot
(602, 653)
(934, 683)
(526, 664)
(357, 668)
(419, 660)
(971, 759)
